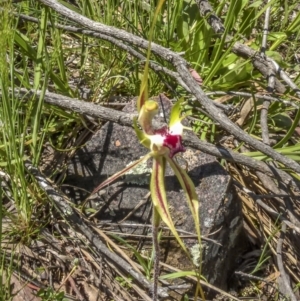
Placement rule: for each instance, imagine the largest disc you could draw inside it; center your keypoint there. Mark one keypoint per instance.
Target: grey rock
(113, 147)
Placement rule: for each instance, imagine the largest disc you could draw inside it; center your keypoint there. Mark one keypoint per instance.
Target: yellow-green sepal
(144, 140)
(121, 173)
(159, 198)
(190, 192)
(146, 115)
(175, 115)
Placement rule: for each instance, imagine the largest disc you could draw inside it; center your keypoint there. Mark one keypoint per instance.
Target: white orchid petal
(176, 129)
(157, 139)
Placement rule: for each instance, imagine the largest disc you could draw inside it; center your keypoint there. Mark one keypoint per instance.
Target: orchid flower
(166, 140)
(164, 143)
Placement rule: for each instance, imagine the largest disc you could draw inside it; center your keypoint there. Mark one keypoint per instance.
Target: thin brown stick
(276, 215)
(264, 122)
(271, 82)
(285, 77)
(272, 98)
(125, 119)
(75, 288)
(253, 277)
(156, 251)
(283, 274)
(266, 31)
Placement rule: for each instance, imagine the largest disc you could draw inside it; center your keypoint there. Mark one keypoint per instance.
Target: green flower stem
(155, 224)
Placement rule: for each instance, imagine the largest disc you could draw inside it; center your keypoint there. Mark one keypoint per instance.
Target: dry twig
(271, 83)
(276, 215)
(283, 274)
(122, 118)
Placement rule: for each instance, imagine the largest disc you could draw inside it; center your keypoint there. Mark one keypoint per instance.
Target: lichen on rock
(139, 175)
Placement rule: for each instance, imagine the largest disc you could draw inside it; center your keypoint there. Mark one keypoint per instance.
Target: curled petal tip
(146, 115)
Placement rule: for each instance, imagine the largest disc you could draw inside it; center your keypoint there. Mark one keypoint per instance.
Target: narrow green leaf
(294, 26)
(181, 274)
(37, 144)
(23, 42)
(58, 55)
(290, 132)
(41, 49)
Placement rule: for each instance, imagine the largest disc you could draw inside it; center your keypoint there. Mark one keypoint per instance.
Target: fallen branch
(272, 98)
(227, 124)
(271, 83)
(107, 114)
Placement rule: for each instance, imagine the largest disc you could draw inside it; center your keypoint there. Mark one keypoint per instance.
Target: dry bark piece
(245, 111)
